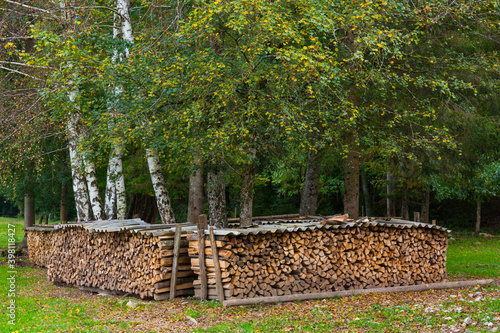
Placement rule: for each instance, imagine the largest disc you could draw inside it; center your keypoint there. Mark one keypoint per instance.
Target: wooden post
(46, 219)
(177, 244)
(416, 216)
(202, 225)
(40, 220)
(215, 255)
(433, 222)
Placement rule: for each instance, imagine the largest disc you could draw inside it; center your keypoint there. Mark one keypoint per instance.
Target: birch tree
(116, 201)
(115, 188)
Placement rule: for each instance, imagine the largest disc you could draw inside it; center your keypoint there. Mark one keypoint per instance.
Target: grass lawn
(4, 226)
(43, 307)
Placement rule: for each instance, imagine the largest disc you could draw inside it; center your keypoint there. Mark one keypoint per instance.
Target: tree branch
(21, 64)
(29, 7)
(21, 73)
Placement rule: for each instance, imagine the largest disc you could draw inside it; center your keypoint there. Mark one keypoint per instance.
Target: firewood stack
(40, 246)
(262, 262)
(135, 258)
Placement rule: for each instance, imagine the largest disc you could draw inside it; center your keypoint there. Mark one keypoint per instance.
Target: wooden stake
(177, 243)
(202, 225)
(215, 255)
(46, 219)
(433, 222)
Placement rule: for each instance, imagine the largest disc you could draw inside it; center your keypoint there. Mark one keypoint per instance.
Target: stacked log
(185, 275)
(40, 246)
(133, 262)
(328, 258)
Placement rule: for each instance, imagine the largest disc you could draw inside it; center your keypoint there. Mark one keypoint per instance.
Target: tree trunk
(366, 193)
(216, 186)
(160, 187)
(29, 217)
(310, 190)
(79, 184)
(110, 196)
(121, 196)
(246, 200)
(29, 209)
(131, 205)
(424, 213)
(405, 209)
(391, 205)
(478, 216)
(351, 182)
(195, 205)
(94, 196)
(63, 212)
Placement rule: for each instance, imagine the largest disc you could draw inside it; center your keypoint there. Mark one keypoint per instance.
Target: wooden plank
(177, 243)
(202, 224)
(218, 278)
(346, 293)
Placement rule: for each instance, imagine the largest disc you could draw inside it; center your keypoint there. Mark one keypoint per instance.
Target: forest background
(164, 110)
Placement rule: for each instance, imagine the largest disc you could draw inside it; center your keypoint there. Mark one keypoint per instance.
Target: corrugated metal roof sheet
(294, 227)
(270, 226)
(132, 226)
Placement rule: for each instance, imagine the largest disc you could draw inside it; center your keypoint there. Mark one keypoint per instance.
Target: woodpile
(40, 246)
(130, 258)
(277, 258)
(265, 262)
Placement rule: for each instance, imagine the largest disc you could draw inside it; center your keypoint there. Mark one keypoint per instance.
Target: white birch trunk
(82, 200)
(95, 199)
(115, 198)
(122, 7)
(121, 197)
(79, 186)
(110, 196)
(160, 188)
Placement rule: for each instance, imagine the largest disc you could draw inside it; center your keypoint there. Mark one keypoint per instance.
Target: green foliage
(412, 86)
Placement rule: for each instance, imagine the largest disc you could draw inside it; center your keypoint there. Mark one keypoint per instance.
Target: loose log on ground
(347, 293)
